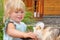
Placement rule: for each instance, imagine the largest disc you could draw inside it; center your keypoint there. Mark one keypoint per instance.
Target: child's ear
(9, 14)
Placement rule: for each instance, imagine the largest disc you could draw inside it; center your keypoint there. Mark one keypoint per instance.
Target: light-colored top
(20, 27)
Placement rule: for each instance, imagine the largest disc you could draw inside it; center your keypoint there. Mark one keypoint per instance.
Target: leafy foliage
(29, 29)
(1, 20)
(1, 27)
(28, 19)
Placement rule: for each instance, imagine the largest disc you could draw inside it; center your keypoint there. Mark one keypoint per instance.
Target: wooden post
(40, 8)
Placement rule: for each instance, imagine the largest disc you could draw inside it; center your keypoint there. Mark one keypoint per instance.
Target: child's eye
(19, 11)
(22, 12)
(16, 11)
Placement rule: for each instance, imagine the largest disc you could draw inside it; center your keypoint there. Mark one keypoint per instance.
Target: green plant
(28, 19)
(1, 27)
(29, 29)
(1, 20)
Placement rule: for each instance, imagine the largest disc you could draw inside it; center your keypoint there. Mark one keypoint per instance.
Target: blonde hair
(10, 5)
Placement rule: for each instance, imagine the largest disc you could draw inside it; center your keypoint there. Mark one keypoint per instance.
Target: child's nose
(20, 14)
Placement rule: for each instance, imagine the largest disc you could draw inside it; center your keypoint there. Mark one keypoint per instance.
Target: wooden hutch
(43, 7)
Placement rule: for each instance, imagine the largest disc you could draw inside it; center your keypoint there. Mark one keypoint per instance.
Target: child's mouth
(19, 18)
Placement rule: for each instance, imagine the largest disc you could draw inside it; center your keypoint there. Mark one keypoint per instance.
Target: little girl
(13, 15)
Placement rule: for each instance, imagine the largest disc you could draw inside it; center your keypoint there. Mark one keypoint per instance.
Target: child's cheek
(23, 16)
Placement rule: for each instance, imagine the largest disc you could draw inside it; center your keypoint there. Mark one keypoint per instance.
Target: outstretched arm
(18, 34)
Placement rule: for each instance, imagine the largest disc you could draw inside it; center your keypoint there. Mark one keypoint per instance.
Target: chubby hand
(31, 35)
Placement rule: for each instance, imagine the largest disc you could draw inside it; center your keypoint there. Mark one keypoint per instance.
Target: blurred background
(47, 11)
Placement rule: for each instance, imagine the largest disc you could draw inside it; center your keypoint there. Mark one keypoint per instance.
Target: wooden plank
(52, 7)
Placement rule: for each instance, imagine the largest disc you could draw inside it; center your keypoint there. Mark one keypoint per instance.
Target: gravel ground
(52, 21)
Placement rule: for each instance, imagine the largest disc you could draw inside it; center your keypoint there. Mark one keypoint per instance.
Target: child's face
(17, 15)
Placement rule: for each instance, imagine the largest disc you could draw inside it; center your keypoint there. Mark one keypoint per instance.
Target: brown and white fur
(47, 33)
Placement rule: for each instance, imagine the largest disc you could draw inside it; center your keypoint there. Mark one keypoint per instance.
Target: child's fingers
(33, 36)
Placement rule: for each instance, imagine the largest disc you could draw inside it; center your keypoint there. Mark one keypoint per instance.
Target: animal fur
(47, 33)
